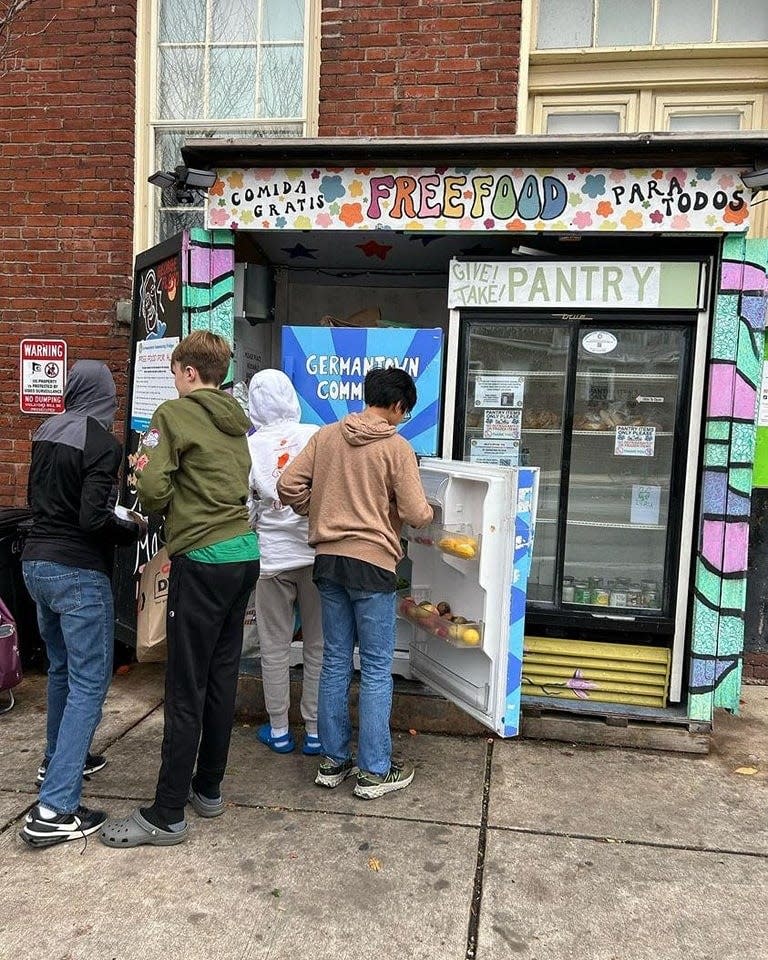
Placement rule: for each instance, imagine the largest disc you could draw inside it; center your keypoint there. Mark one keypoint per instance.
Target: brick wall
(66, 197)
(756, 668)
(419, 67)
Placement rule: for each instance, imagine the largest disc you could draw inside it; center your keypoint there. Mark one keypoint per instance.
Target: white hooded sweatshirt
(275, 412)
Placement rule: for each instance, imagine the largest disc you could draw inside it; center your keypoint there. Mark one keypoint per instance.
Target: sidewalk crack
(477, 890)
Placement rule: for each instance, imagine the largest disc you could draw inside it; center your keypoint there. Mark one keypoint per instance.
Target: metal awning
(742, 150)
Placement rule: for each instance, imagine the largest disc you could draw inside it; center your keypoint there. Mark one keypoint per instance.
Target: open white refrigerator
(461, 622)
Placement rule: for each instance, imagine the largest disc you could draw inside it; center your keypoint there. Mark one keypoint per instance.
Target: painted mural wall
(729, 448)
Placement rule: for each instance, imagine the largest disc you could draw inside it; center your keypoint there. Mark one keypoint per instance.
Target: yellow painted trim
(527, 16)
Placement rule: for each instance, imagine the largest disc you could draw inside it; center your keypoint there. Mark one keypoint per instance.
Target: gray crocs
(204, 806)
(135, 831)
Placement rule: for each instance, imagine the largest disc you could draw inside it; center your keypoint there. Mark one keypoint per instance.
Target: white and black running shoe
(93, 763)
(39, 832)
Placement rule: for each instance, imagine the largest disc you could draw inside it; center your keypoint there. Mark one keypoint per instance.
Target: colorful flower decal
(609, 225)
(489, 224)
(247, 216)
(280, 222)
(604, 208)
(414, 225)
(516, 225)
(324, 220)
(681, 222)
(704, 173)
(736, 216)
(217, 190)
(362, 171)
(332, 188)
(218, 218)
(657, 217)
(351, 213)
(657, 174)
(293, 174)
(466, 223)
(356, 188)
(262, 173)
(302, 223)
(571, 176)
(632, 220)
(315, 174)
(618, 175)
(726, 180)
(582, 220)
(679, 174)
(594, 185)
(574, 199)
(468, 194)
(235, 179)
(334, 209)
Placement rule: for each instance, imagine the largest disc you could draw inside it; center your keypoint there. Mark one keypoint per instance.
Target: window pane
(170, 222)
(181, 21)
(742, 20)
(705, 121)
(684, 21)
(583, 123)
(233, 82)
(618, 26)
(283, 20)
(282, 81)
(234, 20)
(180, 90)
(564, 23)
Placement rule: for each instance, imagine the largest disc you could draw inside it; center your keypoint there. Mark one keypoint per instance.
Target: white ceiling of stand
(377, 250)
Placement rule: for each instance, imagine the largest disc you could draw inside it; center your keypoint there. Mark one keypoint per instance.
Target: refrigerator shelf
(617, 375)
(617, 526)
(452, 539)
(467, 635)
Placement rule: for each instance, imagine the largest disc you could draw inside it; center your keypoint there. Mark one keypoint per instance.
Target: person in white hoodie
(286, 561)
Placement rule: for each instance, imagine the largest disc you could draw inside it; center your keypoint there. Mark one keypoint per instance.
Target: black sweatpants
(206, 610)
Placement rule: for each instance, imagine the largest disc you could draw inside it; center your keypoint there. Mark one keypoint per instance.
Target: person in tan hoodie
(358, 482)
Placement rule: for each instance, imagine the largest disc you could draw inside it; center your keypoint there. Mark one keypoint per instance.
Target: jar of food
(580, 591)
(601, 595)
(634, 595)
(619, 594)
(651, 595)
(568, 590)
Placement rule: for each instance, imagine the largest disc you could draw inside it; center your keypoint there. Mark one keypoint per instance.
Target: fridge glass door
(516, 376)
(622, 470)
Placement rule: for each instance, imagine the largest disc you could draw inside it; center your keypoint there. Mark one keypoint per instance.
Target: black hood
(90, 392)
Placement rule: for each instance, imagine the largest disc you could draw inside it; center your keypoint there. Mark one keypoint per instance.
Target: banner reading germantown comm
(578, 199)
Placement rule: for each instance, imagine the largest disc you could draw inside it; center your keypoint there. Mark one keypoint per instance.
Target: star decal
(300, 251)
(425, 238)
(373, 249)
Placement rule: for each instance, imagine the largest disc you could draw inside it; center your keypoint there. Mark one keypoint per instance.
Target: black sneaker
(93, 763)
(38, 832)
(372, 785)
(331, 774)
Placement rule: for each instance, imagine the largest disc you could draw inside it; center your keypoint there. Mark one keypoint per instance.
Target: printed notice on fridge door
(152, 380)
(502, 424)
(635, 441)
(499, 390)
(501, 453)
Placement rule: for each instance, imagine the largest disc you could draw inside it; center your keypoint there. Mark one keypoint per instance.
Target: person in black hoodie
(67, 566)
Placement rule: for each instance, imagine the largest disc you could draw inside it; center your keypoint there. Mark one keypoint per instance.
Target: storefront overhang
(743, 150)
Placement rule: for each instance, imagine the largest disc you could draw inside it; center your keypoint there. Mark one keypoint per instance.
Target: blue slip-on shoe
(311, 746)
(284, 744)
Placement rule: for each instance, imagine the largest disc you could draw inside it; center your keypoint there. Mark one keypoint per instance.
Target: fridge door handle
(611, 616)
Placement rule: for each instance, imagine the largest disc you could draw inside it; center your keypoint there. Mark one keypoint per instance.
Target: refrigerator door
(464, 613)
(628, 443)
(514, 407)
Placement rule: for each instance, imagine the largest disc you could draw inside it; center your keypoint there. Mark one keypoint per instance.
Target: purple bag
(10, 660)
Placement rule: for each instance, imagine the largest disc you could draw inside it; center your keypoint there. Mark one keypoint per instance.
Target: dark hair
(383, 388)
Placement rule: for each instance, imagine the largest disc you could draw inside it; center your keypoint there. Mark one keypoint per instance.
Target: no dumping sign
(42, 371)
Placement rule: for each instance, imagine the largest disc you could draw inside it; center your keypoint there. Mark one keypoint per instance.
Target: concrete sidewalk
(499, 849)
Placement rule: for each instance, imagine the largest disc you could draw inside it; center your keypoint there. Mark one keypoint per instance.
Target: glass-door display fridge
(601, 407)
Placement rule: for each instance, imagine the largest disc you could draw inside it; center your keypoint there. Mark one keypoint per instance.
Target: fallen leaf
(746, 771)
(374, 864)
(275, 892)
(121, 671)
(414, 733)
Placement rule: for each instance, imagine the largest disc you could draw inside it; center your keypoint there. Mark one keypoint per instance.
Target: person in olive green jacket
(193, 466)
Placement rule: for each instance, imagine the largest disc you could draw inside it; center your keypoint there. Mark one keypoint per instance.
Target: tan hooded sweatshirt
(358, 481)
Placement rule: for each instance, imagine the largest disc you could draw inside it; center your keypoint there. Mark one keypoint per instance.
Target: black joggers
(206, 610)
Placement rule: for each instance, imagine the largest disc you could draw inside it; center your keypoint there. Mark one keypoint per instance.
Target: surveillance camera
(162, 179)
(756, 179)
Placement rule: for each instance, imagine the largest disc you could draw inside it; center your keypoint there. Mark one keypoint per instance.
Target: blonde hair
(207, 352)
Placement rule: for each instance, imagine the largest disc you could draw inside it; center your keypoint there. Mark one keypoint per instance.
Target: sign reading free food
(327, 366)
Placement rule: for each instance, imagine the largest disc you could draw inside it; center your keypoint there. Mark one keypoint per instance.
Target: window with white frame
(221, 68)
(600, 24)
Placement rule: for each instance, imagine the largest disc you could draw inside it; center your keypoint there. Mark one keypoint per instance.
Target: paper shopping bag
(153, 605)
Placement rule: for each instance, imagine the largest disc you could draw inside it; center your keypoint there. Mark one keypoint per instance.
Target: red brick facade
(419, 69)
(66, 197)
(402, 68)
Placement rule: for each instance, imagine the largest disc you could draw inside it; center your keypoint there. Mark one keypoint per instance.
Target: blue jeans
(76, 618)
(355, 617)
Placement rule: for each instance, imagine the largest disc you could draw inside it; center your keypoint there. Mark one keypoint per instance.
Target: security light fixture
(756, 179)
(187, 184)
